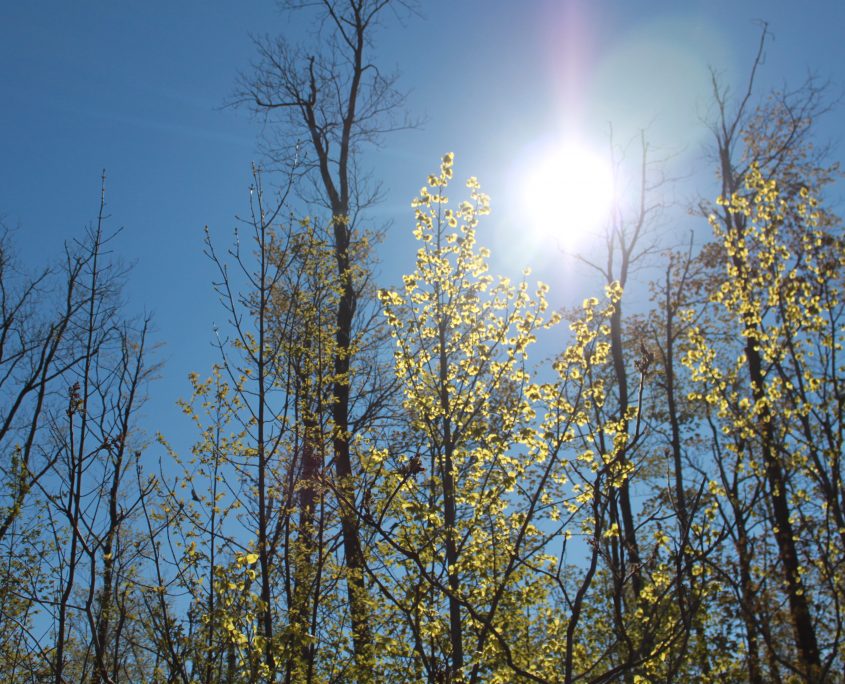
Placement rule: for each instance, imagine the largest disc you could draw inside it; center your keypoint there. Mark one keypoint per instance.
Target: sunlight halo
(567, 193)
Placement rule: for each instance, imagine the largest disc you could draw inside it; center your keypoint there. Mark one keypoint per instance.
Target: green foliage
(456, 514)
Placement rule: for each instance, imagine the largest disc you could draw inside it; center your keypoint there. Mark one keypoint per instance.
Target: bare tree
(91, 498)
(73, 374)
(334, 102)
(34, 341)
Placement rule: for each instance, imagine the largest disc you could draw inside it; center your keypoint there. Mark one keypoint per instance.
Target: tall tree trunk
(799, 607)
(450, 514)
(353, 553)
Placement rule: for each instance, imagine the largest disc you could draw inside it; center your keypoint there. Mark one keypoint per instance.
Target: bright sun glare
(568, 194)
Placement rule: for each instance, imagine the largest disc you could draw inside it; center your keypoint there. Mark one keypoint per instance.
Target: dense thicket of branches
(387, 485)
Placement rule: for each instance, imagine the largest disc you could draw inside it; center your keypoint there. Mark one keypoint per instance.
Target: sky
(140, 89)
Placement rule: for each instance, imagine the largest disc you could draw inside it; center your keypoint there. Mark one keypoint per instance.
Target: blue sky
(138, 88)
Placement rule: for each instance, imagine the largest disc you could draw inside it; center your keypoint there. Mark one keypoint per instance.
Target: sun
(567, 193)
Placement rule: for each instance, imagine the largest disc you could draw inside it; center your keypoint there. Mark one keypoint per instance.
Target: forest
(390, 484)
